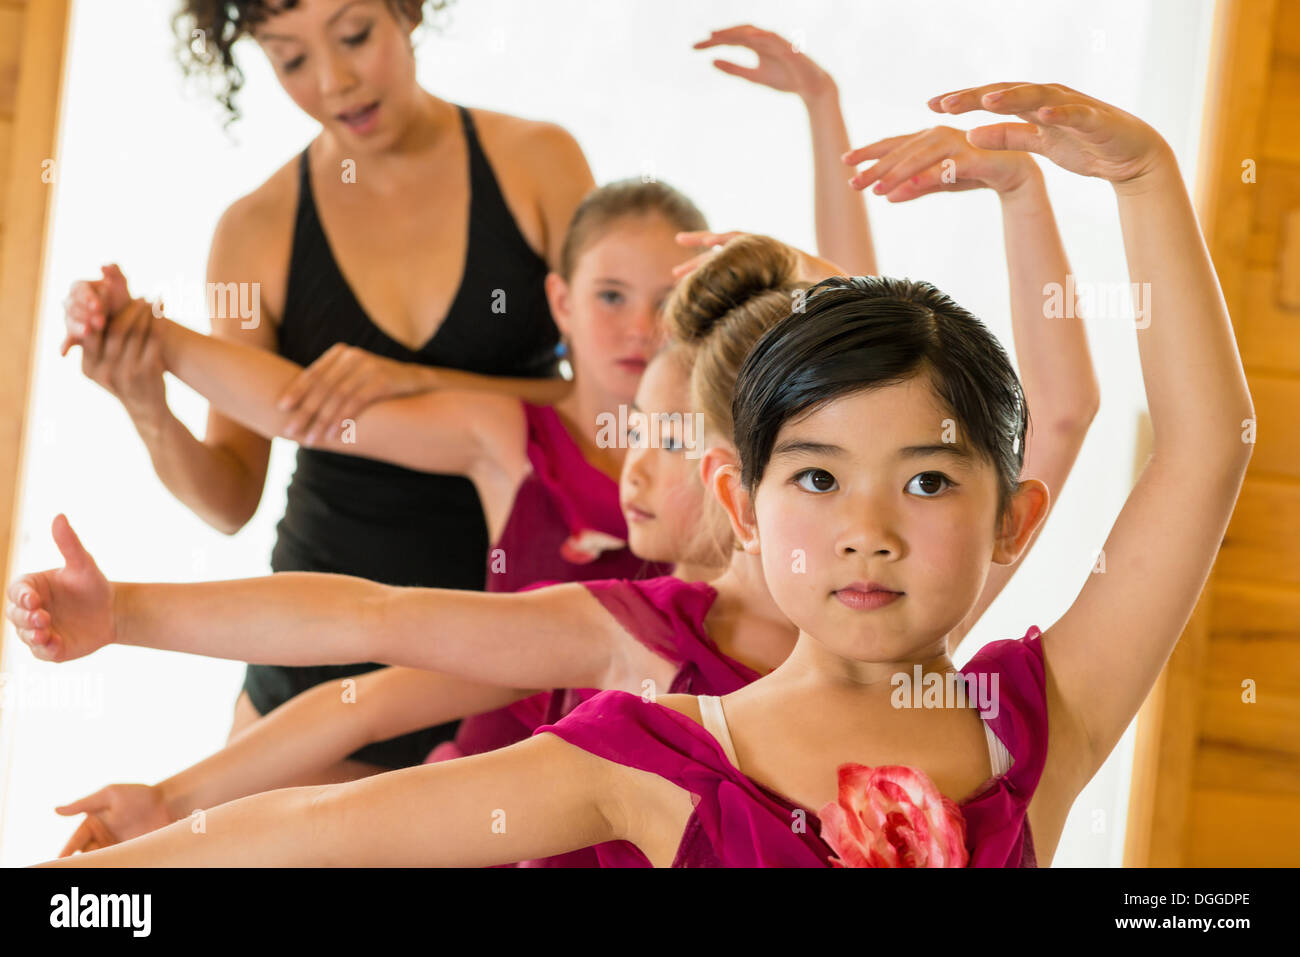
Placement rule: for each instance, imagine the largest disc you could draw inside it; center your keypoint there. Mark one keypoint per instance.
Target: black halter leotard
(356, 516)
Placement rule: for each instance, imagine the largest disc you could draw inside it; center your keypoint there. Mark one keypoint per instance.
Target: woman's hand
(64, 613)
(118, 348)
(811, 268)
(940, 159)
(1073, 130)
(127, 360)
(780, 66)
(342, 382)
(116, 813)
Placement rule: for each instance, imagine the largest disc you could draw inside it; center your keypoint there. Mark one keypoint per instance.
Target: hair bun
(744, 268)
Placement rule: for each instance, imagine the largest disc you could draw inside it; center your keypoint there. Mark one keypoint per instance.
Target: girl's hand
(342, 382)
(116, 813)
(780, 66)
(937, 160)
(127, 359)
(701, 237)
(89, 304)
(1073, 130)
(811, 268)
(64, 613)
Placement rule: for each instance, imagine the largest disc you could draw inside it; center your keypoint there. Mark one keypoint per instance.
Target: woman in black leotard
(358, 516)
(347, 514)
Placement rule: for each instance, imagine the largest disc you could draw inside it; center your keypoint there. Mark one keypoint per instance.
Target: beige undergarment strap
(715, 722)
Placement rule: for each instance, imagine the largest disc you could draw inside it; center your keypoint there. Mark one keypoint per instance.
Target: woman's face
(348, 64)
(661, 493)
(865, 491)
(611, 309)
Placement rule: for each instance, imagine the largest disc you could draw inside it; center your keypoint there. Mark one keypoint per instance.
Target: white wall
(145, 171)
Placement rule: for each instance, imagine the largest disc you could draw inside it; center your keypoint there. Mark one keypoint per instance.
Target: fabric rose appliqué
(892, 816)
(586, 546)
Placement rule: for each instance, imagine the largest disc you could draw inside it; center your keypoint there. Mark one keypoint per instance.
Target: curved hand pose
(843, 230)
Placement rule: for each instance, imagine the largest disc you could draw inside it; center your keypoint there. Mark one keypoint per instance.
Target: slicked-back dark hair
(870, 331)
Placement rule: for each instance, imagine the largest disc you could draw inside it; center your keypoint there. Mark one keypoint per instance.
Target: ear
(1024, 514)
(714, 457)
(738, 505)
(557, 295)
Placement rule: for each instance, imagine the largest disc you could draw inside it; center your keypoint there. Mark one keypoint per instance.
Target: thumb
(70, 547)
(87, 805)
(114, 293)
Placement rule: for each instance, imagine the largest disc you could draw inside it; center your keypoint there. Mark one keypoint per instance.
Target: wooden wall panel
(1216, 778)
(33, 46)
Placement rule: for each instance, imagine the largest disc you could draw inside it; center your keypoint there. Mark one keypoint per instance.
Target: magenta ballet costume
(565, 524)
(737, 822)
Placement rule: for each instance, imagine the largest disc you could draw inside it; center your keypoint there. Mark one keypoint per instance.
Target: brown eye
(815, 480)
(928, 484)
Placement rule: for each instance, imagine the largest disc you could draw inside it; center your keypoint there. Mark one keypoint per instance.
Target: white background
(145, 170)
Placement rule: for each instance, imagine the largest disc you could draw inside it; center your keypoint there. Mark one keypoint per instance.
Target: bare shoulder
(543, 174)
(517, 132)
(253, 239)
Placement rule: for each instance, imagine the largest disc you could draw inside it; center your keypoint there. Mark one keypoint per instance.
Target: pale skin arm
(461, 433)
(1055, 365)
(843, 229)
(319, 728)
(558, 636)
(307, 734)
(544, 795)
(1104, 654)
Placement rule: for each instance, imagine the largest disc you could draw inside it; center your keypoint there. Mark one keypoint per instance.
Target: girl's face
(348, 65)
(863, 492)
(611, 308)
(661, 493)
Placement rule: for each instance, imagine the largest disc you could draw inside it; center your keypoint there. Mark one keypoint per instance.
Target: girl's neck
(813, 668)
(746, 623)
(581, 412)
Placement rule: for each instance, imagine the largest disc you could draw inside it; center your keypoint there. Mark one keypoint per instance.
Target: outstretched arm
(312, 731)
(533, 799)
(1105, 653)
(559, 636)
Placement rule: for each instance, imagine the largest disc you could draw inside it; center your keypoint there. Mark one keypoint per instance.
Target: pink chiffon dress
(737, 822)
(565, 525)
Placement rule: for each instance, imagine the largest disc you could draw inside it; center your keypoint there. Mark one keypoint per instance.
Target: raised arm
(1055, 364)
(843, 229)
(533, 799)
(1105, 653)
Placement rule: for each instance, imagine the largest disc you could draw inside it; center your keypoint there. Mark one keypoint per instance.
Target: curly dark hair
(223, 22)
